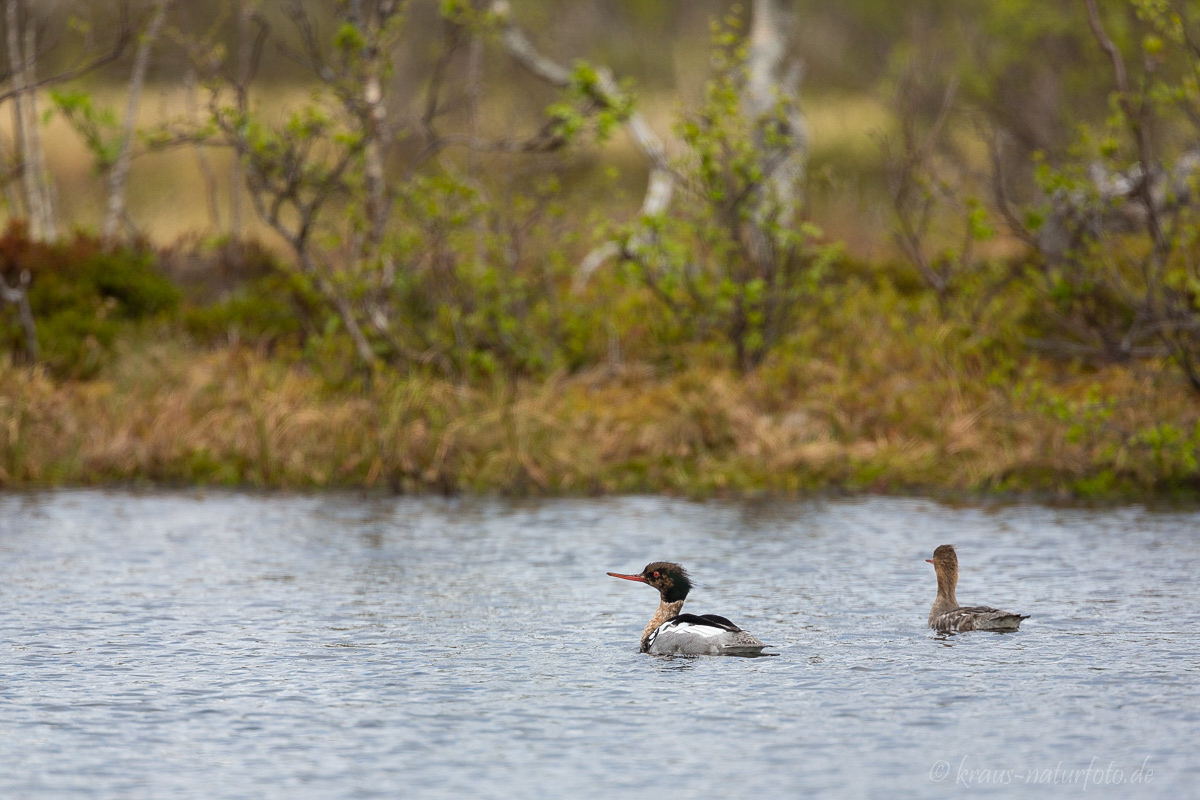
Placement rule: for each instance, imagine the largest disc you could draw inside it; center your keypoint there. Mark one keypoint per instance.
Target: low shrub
(82, 293)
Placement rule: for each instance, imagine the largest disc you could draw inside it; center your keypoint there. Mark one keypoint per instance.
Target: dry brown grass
(232, 417)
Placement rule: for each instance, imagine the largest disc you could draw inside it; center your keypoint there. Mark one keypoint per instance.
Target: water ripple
(237, 645)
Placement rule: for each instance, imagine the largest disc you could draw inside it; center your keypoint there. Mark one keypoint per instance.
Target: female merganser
(670, 632)
(948, 615)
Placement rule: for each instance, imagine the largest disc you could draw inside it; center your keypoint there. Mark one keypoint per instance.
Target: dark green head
(671, 580)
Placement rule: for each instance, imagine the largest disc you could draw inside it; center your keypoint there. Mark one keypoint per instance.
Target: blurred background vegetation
(1031, 67)
(351, 246)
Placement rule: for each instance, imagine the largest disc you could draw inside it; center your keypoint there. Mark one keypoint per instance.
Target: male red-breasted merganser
(948, 615)
(672, 633)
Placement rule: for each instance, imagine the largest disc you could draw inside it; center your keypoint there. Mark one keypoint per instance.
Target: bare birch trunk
(374, 122)
(661, 182)
(772, 82)
(12, 27)
(120, 171)
(38, 204)
(37, 156)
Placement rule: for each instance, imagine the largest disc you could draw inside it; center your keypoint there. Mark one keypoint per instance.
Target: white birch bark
(11, 25)
(48, 219)
(661, 182)
(38, 203)
(771, 82)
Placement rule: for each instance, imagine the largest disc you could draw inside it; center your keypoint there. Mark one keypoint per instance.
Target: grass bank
(867, 419)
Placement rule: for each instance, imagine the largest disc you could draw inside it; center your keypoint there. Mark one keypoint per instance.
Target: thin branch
(661, 182)
(520, 48)
(124, 35)
(453, 40)
(1001, 197)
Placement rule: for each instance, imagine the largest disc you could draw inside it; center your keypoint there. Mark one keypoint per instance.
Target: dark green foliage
(83, 294)
(273, 311)
(239, 292)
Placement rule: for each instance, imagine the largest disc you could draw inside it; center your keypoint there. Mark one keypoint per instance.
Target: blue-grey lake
(230, 645)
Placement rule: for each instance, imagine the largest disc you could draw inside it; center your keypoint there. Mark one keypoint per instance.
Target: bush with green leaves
(485, 288)
(1118, 230)
(731, 266)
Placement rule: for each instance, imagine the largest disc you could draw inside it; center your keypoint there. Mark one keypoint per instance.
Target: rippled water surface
(228, 645)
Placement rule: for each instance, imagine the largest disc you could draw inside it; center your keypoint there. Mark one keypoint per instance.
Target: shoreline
(232, 418)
